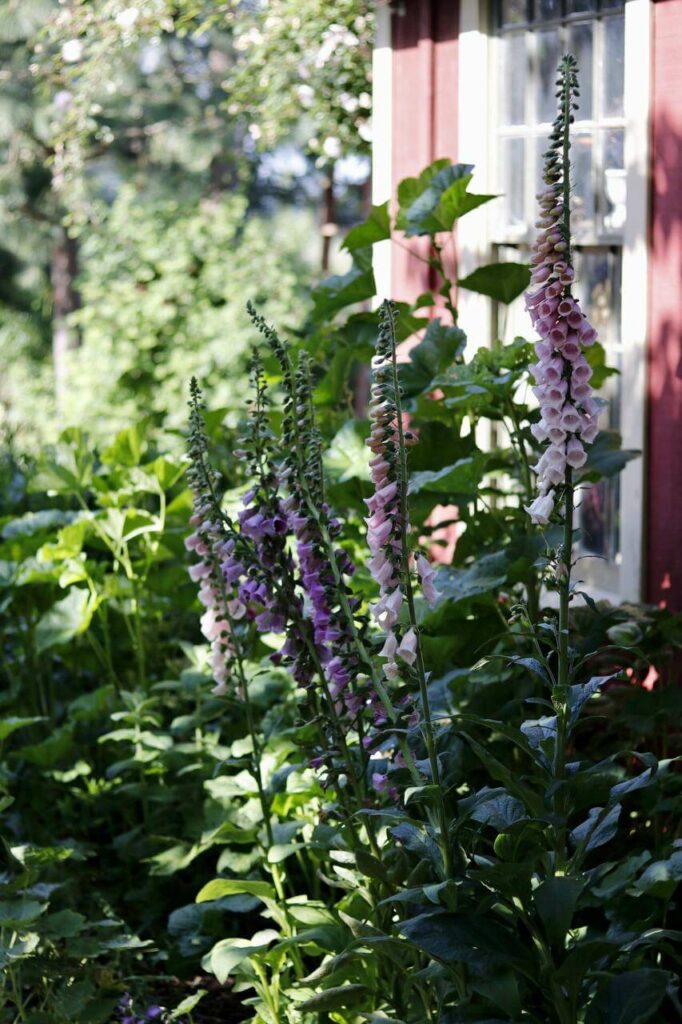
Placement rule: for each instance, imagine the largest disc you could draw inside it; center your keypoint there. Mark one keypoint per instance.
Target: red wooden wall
(664, 498)
(424, 109)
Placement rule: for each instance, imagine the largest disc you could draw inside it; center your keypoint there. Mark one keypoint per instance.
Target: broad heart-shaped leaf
(605, 457)
(377, 228)
(337, 292)
(599, 827)
(220, 887)
(457, 938)
(483, 576)
(66, 619)
(462, 478)
(502, 282)
(630, 998)
(437, 206)
(342, 997)
(555, 901)
(410, 189)
(440, 346)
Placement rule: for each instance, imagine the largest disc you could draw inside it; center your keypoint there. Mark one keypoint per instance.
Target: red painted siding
(424, 111)
(664, 449)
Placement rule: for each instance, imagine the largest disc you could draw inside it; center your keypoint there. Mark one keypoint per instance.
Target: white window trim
(474, 235)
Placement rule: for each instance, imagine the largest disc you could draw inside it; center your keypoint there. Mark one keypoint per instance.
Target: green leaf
(502, 282)
(347, 457)
(439, 348)
(377, 228)
(18, 914)
(433, 202)
(605, 457)
(555, 900)
(630, 998)
(220, 887)
(335, 293)
(462, 478)
(662, 877)
(342, 997)
(10, 725)
(66, 619)
(455, 938)
(229, 953)
(484, 576)
(598, 828)
(494, 807)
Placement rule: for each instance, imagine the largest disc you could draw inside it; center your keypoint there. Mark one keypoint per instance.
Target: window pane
(580, 45)
(514, 12)
(582, 218)
(614, 40)
(549, 53)
(513, 79)
(578, 6)
(615, 185)
(511, 164)
(547, 10)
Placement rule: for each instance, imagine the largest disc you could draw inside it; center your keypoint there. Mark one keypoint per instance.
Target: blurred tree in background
(151, 152)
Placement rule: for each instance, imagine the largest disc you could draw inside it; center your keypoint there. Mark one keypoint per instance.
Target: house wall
(425, 65)
(664, 445)
(425, 70)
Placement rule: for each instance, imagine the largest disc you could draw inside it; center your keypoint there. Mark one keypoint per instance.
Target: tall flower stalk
(393, 563)
(568, 409)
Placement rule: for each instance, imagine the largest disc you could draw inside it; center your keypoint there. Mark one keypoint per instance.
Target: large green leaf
(377, 228)
(66, 619)
(220, 887)
(11, 724)
(605, 457)
(440, 346)
(462, 478)
(630, 998)
(555, 901)
(502, 282)
(347, 457)
(335, 293)
(456, 938)
(342, 997)
(230, 953)
(482, 577)
(432, 204)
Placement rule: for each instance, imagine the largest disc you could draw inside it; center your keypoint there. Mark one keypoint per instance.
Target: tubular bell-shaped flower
(323, 568)
(568, 410)
(387, 522)
(211, 544)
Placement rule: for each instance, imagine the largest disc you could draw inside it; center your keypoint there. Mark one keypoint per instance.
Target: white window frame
(475, 238)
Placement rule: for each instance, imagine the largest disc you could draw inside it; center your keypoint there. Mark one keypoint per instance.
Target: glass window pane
(580, 45)
(578, 6)
(614, 180)
(512, 166)
(582, 216)
(513, 12)
(614, 61)
(513, 79)
(547, 10)
(549, 53)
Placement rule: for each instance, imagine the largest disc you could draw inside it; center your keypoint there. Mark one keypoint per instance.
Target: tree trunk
(66, 300)
(329, 225)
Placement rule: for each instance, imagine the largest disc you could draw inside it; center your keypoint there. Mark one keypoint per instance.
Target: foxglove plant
(392, 562)
(562, 374)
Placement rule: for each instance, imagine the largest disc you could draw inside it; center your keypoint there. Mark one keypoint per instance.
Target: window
(529, 37)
